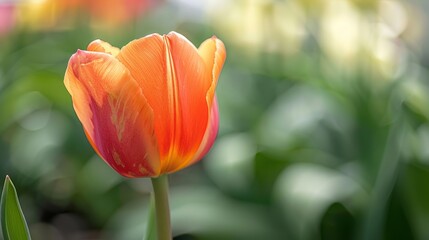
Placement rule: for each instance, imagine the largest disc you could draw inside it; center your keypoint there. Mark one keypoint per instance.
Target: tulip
(149, 108)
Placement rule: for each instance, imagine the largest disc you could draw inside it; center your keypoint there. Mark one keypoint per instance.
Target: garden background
(324, 120)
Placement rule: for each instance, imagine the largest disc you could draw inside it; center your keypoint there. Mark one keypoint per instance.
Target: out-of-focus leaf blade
(12, 219)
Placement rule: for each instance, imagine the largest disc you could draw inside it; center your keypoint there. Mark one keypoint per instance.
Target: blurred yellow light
(37, 14)
(393, 16)
(340, 31)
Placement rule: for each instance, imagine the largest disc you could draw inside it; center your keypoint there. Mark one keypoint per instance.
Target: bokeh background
(324, 132)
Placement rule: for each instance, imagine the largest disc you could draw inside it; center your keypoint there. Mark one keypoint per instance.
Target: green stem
(150, 233)
(160, 188)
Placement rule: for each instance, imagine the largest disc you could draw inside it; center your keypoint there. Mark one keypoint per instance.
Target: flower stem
(160, 188)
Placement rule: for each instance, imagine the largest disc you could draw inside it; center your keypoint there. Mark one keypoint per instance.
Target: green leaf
(12, 219)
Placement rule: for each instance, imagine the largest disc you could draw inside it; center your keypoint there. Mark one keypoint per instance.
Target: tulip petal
(114, 113)
(145, 58)
(101, 46)
(193, 80)
(210, 134)
(213, 52)
(174, 80)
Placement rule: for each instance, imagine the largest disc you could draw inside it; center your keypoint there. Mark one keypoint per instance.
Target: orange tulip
(149, 108)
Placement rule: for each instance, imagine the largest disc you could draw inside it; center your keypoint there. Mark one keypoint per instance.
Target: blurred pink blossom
(7, 17)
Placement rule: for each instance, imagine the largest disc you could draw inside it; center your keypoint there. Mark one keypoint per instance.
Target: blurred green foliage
(324, 128)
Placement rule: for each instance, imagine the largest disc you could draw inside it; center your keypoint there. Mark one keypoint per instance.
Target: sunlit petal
(101, 46)
(213, 52)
